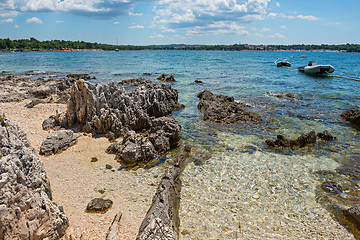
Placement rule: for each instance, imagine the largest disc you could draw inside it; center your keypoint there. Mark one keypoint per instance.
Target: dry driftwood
(113, 234)
(162, 219)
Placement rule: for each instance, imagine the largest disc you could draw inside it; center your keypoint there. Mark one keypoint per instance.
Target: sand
(75, 180)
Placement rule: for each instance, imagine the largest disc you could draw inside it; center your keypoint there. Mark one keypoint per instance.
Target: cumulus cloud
(135, 14)
(202, 16)
(136, 27)
(34, 20)
(156, 36)
(9, 20)
(91, 8)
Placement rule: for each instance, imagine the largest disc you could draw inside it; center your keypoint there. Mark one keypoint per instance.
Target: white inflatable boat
(313, 68)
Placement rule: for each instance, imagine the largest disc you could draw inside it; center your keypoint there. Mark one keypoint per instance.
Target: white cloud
(135, 14)
(218, 28)
(283, 27)
(272, 15)
(9, 20)
(116, 23)
(156, 36)
(168, 30)
(59, 21)
(277, 4)
(136, 27)
(266, 30)
(309, 17)
(17, 26)
(34, 20)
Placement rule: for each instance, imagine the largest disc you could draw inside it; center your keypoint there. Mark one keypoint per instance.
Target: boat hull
(318, 69)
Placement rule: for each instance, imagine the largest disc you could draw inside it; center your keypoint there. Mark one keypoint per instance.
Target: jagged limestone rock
(26, 209)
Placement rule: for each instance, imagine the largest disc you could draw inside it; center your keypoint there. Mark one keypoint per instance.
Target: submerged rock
(224, 109)
(26, 209)
(353, 117)
(325, 136)
(99, 205)
(57, 141)
(308, 139)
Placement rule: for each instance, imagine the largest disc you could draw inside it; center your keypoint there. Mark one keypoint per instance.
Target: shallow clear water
(235, 187)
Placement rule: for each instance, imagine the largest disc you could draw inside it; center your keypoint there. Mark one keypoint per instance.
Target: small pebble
(94, 159)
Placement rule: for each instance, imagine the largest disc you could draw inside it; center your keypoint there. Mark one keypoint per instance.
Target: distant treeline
(33, 44)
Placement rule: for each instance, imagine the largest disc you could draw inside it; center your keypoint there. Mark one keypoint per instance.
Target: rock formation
(224, 109)
(162, 219)
(26, 209)
(353, 117)
(57, 141)
(308, 139)
(110, 110)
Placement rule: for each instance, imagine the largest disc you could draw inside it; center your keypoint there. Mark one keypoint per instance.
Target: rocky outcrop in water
(26, 209)
(308, 139)
(165, 133)
(224, 109)
(57, 141)
(162, 219)
(110, 110)
(353, 117)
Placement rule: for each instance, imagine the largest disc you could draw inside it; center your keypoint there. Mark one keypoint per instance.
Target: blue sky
(144, 22)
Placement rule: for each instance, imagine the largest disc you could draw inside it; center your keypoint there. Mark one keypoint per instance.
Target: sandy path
(75, 180)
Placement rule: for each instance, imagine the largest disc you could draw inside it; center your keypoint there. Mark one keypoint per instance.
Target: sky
(148, 22)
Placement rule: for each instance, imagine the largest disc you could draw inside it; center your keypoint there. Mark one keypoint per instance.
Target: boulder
(49, 123)
(133, 149)
(224, 109)
(99, 205)
(57, 141)
(325, 136)
(165, 133)
(26, 207)
(308, 139)
(353, 117)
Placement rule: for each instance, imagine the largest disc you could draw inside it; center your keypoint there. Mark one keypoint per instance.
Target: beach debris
(26, 208)
(113, 232)
(162, 219)
(57, 141)
(99, 205)
(352, 116)
(224, 109)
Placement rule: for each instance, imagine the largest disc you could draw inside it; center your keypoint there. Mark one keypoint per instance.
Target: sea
(234, 186)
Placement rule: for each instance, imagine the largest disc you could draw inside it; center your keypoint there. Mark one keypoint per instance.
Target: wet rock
(353, 117)
(133, 149)
(353, 214)
(78, 76)
(170, 79)
(100, 109)
(26, 207)
(325, 136)
(57, 141)
(331, 187)
(33, 103)
(49, 123)
(99, 205)
(165, 133)
(162, 77)
(162, 219)
(224, 109)
(198, 81)
(308, 139)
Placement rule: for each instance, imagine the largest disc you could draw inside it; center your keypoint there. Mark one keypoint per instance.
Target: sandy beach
(75, 180)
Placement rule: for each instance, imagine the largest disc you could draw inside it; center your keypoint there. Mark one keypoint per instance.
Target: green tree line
(33, 44)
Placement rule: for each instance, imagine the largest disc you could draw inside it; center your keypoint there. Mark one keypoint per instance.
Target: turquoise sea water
(235, 187)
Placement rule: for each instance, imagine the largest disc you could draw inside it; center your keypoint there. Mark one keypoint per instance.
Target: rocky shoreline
(140, 127)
